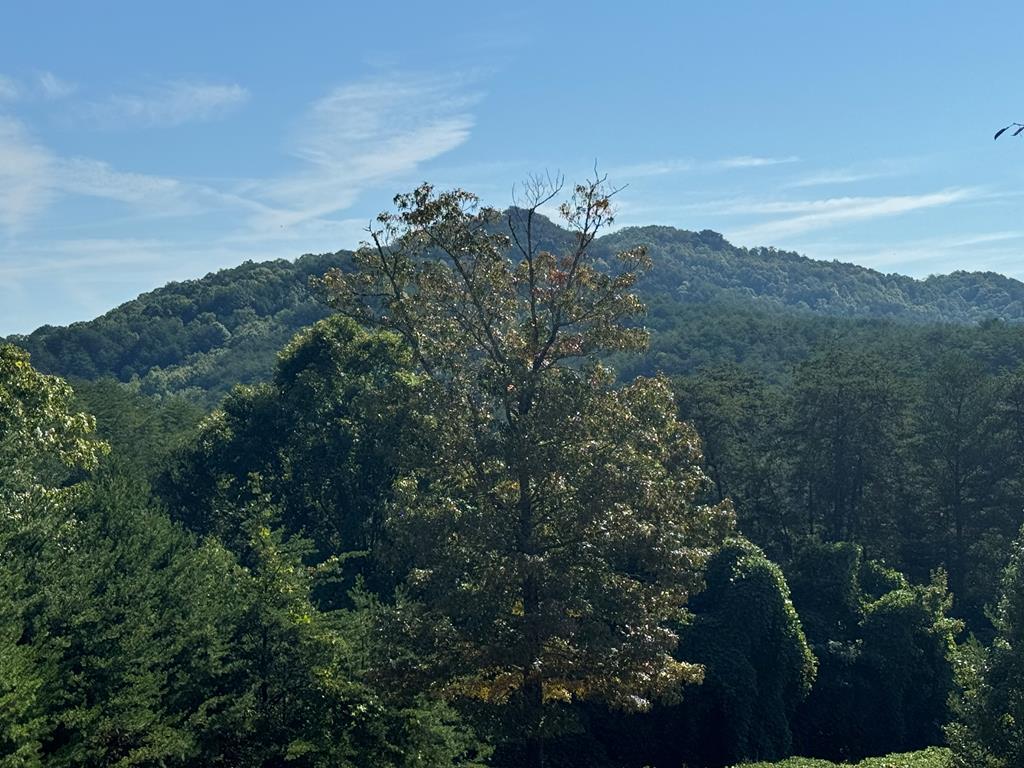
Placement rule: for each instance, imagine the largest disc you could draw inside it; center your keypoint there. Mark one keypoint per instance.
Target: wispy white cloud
(62, 256)
(357, 136)
(53, 87)
(821, 214)
(751, 161)
(682, 165)
(836, 177)
(157, 194)
(32, 178)
(656, 168)
(882, 169)
(9, 89)
(363, 134)
(169, 104)
(934, 255)
(25, 170)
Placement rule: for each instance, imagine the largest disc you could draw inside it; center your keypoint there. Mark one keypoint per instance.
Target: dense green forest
(473, 503)
(201, 337)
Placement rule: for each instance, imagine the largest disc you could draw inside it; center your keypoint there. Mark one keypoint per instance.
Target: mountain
(703, 266)
(197, 337)
(200, 337)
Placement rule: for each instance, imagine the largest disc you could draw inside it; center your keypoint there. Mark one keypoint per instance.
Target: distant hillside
(200, 337)
(703, 266)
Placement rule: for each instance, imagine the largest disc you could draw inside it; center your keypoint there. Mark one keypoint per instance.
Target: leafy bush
(934, 757)
(989, 730)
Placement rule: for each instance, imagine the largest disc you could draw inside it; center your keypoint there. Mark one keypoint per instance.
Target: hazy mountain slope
(203, 336)
(700, 266)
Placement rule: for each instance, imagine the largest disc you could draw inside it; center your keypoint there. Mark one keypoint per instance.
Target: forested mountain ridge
(701, 266)
(203, 336)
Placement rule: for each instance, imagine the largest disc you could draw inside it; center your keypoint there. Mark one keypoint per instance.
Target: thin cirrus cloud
(657, 168)
(25, 168)
(359, 135)
(356, 136)
(53, 87)
(924, 256)
(813, 215)
(169, 104)
(32, 178)
(851, 175)
(68, 256)
(752, 161)
(9, 89)
(45, 84)
(667, 167)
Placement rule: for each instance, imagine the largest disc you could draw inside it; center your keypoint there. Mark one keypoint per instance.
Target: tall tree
(845, 414)
(884, 648)
(758, 668)
(553, 516)
(962, 461)
(737, 415)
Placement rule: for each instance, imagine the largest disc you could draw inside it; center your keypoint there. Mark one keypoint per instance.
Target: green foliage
(142, 431)
(42, 442)
(989, 729)
(933, 757)
(828, 410)
(844, 419)
(126, 642)
(757, 669)
(904, 439)
(885, 649)
(199, 337)
(41, 439)
(203, 336)
(321, 441)
(702, 266)
(758, 664)
(138, 647)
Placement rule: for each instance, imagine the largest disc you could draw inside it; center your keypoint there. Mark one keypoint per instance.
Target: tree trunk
(533, 687)
(533, 704)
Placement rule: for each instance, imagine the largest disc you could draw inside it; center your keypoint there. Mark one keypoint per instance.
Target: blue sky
(141, 144)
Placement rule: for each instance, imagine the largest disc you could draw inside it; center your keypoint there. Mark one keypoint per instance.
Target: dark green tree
(321, 441)
(844, 420)
(988, 731)
(43, 444)
(962, 457)
(737, 413)
(125, 641)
